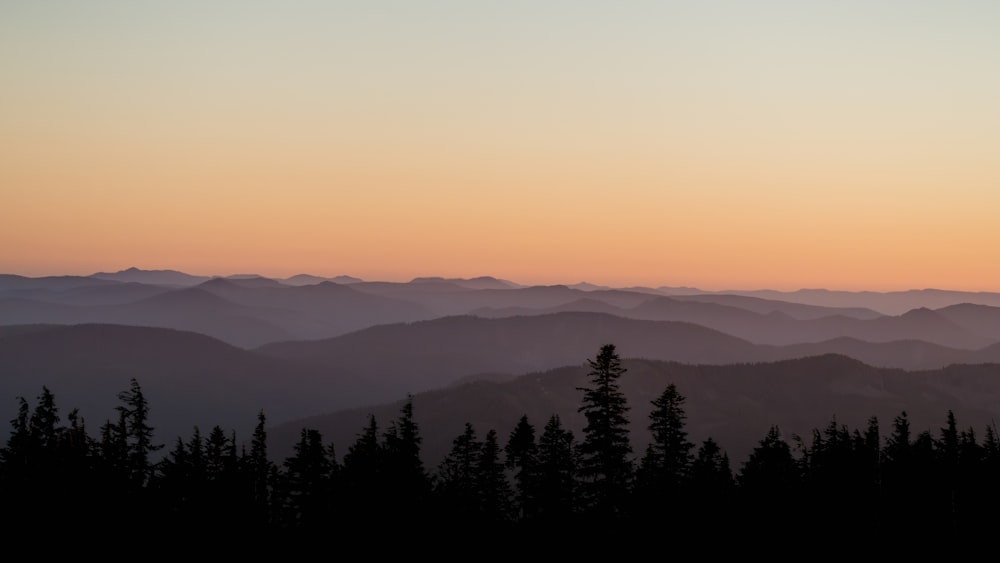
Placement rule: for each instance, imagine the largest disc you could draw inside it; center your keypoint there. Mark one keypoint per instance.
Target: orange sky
(708, 145)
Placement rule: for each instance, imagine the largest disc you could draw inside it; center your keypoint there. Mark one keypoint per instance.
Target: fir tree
(521, 454)
(665, 465)
(307, 481)
(605, 466)
(557, 469)
(134, 420)
(458, 484)
(492, 486)
(405, 480)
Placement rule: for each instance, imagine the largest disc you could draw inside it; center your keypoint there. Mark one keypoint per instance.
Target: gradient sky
(719, 144)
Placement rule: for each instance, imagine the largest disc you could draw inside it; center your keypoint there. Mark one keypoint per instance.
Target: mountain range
(734, 404)
(216, 349)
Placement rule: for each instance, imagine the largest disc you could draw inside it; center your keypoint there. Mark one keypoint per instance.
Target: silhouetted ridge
(191, 297)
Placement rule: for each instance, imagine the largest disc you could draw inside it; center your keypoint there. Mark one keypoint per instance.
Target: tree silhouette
(664, 469)
(405, 482)
(769, 482)
(522, 457)
(557, 468)
(458, 481)
(362, 475)
(138, 435)
(308, 481)
(259, 468)
(494, 503)
(605, 465)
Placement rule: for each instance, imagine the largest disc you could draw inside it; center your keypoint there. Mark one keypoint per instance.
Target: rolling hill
(188, 378)
(734, 404)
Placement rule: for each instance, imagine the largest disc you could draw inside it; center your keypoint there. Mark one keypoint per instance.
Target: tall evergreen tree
(769, 482)
(897, 447)
(458, 484)
(521, 455)
(216, 447)
(557, 471)
(711, 487)
(606, 466)
(44, 421)
(134, 411)
(362, 475)
(405, 480)
(665, 466)
(710, 470)
(258, 467)
(307, 481)
(114, 454)
(493, 489)
(16, 455)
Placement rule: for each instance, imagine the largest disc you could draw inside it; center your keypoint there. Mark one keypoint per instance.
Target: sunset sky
(717, 144)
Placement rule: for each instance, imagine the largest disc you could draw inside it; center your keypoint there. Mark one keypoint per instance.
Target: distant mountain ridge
(259, 310)
(889, 303)
(412, 357)
(193, 379)
(155, 277)
(189, 378)
(735, 404)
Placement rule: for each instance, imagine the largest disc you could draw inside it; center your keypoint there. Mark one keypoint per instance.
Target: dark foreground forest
(535, 477)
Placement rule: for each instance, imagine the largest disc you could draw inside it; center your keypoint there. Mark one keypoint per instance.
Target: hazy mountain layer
(735, 404)
(189, 378)
(428, 354)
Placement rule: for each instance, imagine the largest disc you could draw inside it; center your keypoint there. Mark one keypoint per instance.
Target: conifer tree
(307, 481)
(134, 420)
(667, 461)
(492, 486)
(710, 468)
(44, 421)
(769, 482)
(259, 468)
(711, 486)
(405, 481)
(606, 465)
(457, 484)
(521, 455)
(556, 498)
(362, 474)
(16, 455)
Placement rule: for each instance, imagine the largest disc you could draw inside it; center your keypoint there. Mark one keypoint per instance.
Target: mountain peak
(153, 277)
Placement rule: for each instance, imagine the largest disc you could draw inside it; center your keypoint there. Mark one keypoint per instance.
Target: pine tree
(557, 472)
(769, 482)
(492, 486)
(362, 475)
(711, 487)
(405, 481)
(44, 421)
(259, 468)
(710, 470)
(307, 481)
(667, 461)
(606, 466)
(897, 447)
(113, 451)
(173, 482)
(134, 412)
(216, 446)
(457, 484)
(17, 454)
(521, 454)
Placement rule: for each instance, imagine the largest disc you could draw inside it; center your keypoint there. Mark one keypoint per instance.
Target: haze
(848, 145)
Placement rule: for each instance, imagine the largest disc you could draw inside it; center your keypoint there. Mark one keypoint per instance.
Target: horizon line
(548, 283)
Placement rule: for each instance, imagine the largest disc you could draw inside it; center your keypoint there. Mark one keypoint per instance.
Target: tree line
(53, 473)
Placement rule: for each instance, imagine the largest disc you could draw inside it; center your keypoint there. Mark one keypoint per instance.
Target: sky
(716, 144)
